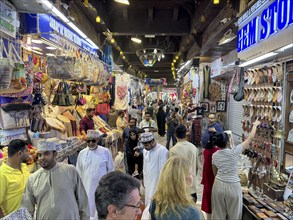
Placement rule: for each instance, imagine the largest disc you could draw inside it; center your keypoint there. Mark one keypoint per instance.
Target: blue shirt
(206, 135)
(188, 213)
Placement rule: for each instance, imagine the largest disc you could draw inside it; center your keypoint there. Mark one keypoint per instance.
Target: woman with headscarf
(133, 153)
(161, 120)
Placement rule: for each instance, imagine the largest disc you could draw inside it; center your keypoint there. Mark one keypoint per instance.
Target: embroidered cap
(94, 134)
(147, 137)
(48, 146)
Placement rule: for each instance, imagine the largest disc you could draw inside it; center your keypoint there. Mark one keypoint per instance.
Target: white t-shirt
(147, 124)
(226, 161)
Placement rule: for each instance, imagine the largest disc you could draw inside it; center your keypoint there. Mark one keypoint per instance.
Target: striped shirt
(226, 161)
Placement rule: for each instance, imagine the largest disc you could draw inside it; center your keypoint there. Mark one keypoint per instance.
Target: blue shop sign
(48, 25)
(272, 19)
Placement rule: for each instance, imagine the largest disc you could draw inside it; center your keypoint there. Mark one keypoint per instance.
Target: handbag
(233, 86)
(61, 67)
(18, 79)
(80, 100)
(59, 97)
(63, 97)
(14, 119)
(6, 67)
(239, 95)
(103, 109)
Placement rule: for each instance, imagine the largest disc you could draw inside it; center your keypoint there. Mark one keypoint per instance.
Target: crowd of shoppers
(93, 190)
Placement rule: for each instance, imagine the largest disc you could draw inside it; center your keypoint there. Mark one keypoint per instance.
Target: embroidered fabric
(121, 90)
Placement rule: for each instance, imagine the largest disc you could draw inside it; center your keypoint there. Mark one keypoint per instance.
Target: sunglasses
(89, 141)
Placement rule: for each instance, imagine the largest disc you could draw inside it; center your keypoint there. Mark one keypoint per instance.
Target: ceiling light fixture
(121, 53)
(51, 48)
(216, 2)
(37, 41)
(136, 40)
(163, 56)
(282, 49)
(258, 59)
(124, 57)
(149, 56)
(125, 2)
(112, 41)
(228, 37)
(98, 19)
(50, 54)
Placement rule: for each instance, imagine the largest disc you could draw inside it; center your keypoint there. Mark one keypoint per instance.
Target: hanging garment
(196, 131)
(121, 92)
(207, 81)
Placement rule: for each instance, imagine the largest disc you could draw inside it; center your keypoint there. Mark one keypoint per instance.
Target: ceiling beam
(125, 13)
(151, 14)
(142, 27)
(175, 14)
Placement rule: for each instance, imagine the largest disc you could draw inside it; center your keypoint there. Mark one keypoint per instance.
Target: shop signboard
(150, 81)
(266, 26)
(216, 67)
(169, 90)
(8, 18)
(49, 26)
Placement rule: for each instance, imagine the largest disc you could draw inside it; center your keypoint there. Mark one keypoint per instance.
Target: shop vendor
(87, 122)
(212, 127)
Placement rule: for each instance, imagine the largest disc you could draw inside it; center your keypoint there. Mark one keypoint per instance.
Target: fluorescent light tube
(37, 41)
(136, 40)
(282, 49)
(50, 55)
(55, 11)
(125, 2)
(51, 48)
(60, 14)
(76, 29)
(258, 59)
(37, 52)
(92, 43)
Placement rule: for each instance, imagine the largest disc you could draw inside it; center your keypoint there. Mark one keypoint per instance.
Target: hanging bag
(60, 66)
(239, 95)
(18, 80)
(233, 86)
(6, 67)
(59, 98)
(69, 101)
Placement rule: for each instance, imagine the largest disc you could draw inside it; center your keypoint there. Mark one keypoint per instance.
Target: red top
(86, 124)
(207, 172)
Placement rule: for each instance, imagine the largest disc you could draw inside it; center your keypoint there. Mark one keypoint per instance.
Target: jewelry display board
(288, 143)
(263, 92)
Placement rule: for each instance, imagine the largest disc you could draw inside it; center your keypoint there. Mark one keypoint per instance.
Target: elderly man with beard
(93, 163)
(55, 191)
(13, 176)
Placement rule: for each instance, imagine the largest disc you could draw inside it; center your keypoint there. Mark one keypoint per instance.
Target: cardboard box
(273, 193)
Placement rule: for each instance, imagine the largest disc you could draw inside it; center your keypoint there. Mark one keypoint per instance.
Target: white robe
(56, 194)
(92, 165)
(153, 162)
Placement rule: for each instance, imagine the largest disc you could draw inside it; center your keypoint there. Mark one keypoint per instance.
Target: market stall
(265, 85)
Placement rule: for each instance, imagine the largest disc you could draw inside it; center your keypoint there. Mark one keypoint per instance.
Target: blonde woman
(172, 199)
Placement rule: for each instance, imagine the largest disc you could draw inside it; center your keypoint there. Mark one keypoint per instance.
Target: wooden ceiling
(189, 27)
